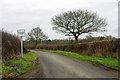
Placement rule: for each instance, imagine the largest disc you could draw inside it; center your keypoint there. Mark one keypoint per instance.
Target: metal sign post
(21, 33)
(21, 47)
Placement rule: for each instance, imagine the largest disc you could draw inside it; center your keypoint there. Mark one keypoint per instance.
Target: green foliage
(0, 68)
(19, 66)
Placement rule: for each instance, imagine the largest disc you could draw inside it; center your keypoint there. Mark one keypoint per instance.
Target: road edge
(37, 69)
(92, 63)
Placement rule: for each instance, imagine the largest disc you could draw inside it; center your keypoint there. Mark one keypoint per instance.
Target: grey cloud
(14, 17)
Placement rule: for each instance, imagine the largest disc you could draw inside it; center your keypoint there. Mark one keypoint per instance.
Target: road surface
(59, 66)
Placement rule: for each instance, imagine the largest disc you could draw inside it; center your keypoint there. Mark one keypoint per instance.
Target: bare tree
(36, 35)
(75, 23)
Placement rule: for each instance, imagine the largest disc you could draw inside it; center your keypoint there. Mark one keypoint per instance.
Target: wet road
(59, 66)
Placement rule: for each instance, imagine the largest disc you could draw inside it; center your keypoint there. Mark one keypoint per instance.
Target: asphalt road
(59, 66)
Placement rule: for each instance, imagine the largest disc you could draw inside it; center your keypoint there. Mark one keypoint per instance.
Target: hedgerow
(105, 48)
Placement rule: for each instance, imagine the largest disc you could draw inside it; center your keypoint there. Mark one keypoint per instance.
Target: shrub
(30, 46)
(10, 46)
(105, 48)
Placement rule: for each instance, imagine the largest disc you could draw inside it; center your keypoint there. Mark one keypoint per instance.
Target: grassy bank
(109, 62)
(0, 68)
(14, 68)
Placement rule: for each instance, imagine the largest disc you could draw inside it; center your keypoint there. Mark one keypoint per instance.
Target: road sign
(21, 33)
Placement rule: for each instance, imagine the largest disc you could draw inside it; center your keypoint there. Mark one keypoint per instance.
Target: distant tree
(36, 35)
(75, 23)
(109, 37)
(89, 37)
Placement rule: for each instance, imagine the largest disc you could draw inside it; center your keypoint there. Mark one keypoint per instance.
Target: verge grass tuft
(14, 68)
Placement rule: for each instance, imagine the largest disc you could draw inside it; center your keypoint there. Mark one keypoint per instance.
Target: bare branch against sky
(28, 14)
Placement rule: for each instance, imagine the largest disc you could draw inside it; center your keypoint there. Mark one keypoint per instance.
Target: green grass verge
(109, 62)
(17, 67)
(0, 68)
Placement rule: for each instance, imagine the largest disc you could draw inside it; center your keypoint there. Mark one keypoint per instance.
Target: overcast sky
(28, 14)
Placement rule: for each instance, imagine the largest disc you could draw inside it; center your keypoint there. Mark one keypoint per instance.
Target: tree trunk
(36, 42)
(76, 39)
